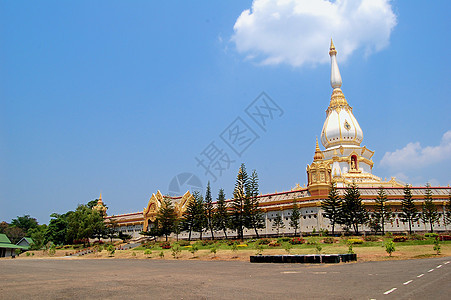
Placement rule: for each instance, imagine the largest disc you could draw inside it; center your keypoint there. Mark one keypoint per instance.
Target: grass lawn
(371, 250)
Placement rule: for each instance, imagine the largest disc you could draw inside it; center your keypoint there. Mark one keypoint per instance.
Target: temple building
(344, 161)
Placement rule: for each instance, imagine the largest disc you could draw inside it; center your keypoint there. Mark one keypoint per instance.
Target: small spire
(318, 153)
(335, 77)
(99, 201)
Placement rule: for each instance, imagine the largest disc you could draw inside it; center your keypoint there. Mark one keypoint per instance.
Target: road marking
(439, 266)
(421, 275)
(389, 291)
(289, 272)
(430, 270)
(407, 282)
(447, 263)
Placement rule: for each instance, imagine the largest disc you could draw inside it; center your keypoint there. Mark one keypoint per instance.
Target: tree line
(72, 227)
(349, 211)
(241, 213)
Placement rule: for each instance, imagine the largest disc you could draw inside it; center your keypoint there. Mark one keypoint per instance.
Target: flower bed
(399, 238)
(444, 237)
(274, 244)
(355, 241)
(165, 245)
(297, 241)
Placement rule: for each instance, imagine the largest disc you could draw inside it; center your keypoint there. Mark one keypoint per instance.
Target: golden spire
(99, 201)
(332, 50)
(318, 153)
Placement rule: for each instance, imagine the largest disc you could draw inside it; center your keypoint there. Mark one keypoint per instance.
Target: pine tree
(221, 216)
(382, 210)
(209, 213)
(353, 212)
(295, 217)
(190, 216)
(253, 214)
(239, 200)
(409, 211)
(200, 221)
(166, 217)
(278, 223)
(333, 206)
(429, 212)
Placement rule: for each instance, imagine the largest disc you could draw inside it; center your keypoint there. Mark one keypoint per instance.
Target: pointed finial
(335, 77)
(318, 154)
(332, 50)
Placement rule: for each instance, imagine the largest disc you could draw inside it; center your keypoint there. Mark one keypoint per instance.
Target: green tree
(189, 216)
(278, 223)
(194, 216)
(14, 233)
(429, 212)
(382, 210)
(409, 211)
(25, 222)
(209, 212)
(353, 212)
(57, 230)
(254, 218)
(84, 223)
(238, 204)
(295, 217)
(332, 206)
(38, 236)
(221, 214)
(166, 217)
(448, 209)
(3, 226)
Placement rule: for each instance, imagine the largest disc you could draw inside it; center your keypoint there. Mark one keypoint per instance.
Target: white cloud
(414, 156)
(298, 32)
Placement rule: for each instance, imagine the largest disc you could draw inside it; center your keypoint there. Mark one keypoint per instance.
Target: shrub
(416, 237)
(133, 254)
(161, 254)
(274, 244)
(148, 253)
(111, 250)
(193, 249)
(371, 238)
(165, 245)
(318, 248)
(432, 234)
(231, 242)
(263, 241)
(437, 246)
(288, 247)
(176, 251)
(355, 241)
(329, 240)
(297, 241)
(399, 238)
(213, 250)
(259, 249)
(207, 242)
(445, 237)
(52, 250)
(283, 239)
(28, 253)
(184, 243)
(390, 247)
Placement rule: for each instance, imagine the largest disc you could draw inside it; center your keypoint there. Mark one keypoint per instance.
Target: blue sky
(119, 97)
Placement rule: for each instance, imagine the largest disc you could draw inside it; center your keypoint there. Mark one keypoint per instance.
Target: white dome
(341, 128)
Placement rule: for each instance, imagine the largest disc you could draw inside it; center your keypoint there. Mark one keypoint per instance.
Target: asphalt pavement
(170, 279)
